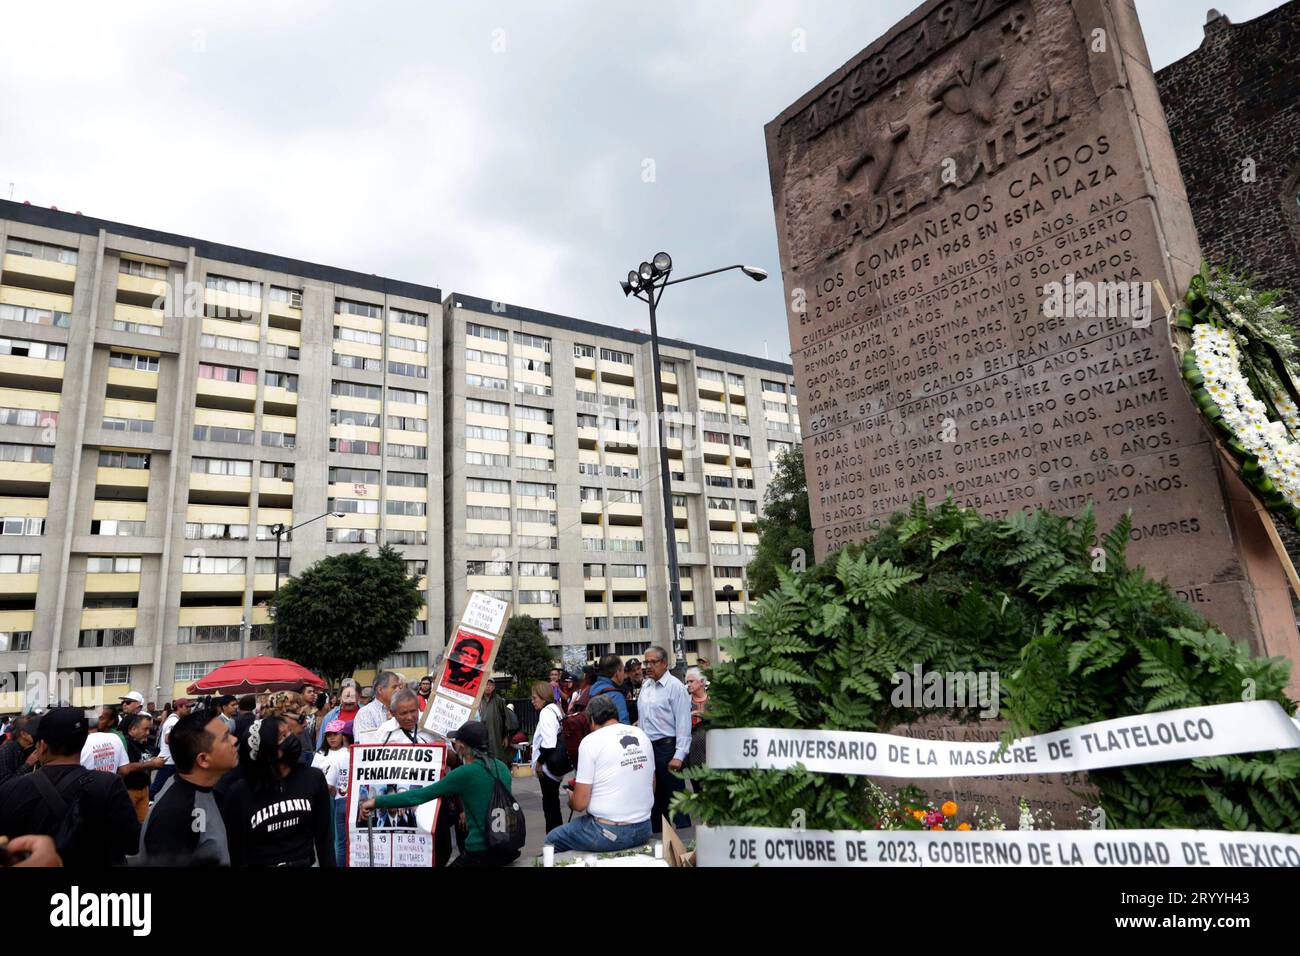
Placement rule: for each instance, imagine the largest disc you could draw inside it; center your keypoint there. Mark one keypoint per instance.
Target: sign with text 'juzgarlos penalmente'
(980, 219)
(467, 664)
(402, 836)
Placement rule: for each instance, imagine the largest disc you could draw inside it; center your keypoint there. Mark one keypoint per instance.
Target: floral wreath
(1237, 346)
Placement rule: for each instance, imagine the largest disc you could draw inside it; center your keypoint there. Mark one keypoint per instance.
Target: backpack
(575, 727)
(67, 812)
(504, 829)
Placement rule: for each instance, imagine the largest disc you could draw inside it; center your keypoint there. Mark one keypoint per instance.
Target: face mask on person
(290, 750)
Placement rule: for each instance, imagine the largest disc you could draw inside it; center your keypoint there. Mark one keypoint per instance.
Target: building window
(352, 535)
(364, 309)
(208, 634)
(194, 564)
(346, 416)
(482, 407)
(485, 332)
(124, 459)
(359, 336)
(409, 318)
(40, 250)
(35, 316)
(416, 659)
(22, 526)
(406, 479)
(115, 528)
(145, 270)
(107, 637)
(407, 537)
(220, 433)
(346, 446)
(408, 369)
(221, 466)
(193, 670)
(139, 425)
(355, 390)
(128, 360)
(15, 641)
(107, 565)
(357, 362)
(415, 452)
(486, 358)
(408, 397)
(485, 381)
(491, 486)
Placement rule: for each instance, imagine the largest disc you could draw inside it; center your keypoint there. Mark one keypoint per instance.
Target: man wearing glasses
(664, 715)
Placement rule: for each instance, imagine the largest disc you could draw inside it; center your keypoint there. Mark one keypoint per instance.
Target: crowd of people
(263, 780)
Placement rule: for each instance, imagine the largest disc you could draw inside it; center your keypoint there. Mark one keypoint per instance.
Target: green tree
(785, 528)
(524, 653)
(346, 611)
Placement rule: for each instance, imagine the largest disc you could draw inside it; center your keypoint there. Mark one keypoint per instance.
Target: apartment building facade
(554, 494)
(165, 402)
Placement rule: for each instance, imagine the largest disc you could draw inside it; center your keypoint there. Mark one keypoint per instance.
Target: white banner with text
(1183, 734)
(770, 846)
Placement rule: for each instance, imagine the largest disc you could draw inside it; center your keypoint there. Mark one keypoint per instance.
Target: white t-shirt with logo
(103, 752)
(164, 739)
(619, 763)
(337, 763)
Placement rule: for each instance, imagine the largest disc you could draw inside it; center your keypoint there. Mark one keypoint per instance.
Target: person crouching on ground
(474, 782)
(614, 786)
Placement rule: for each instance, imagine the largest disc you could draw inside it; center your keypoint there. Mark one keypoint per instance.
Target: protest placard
(467, 665)
(399, 836)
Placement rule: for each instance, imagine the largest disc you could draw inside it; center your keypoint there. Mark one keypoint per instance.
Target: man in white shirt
(181, 708)
(103, 749)
(614, 785)
(403, 727)
(664, 713)
(370, 717)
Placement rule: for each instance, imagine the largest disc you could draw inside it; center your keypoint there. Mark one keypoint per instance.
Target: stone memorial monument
(982, 229)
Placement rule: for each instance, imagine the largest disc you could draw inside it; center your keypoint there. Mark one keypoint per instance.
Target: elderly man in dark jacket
(500, 722)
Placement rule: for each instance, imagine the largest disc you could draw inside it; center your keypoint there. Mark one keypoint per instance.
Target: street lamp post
(729, 592)
(279, 530)
(647, 283)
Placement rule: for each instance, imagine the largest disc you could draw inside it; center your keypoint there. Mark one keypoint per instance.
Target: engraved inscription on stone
(979, 258)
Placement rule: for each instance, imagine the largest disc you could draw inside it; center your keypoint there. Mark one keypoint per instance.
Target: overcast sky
(525, 152)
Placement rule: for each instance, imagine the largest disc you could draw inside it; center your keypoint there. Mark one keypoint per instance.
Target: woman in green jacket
(474, 781)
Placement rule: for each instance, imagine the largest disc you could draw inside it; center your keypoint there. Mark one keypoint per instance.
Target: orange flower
(949, 809)
(936, 827)
(963, 826)
(918, 814)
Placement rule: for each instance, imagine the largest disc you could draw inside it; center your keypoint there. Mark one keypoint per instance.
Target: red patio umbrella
(251, 675)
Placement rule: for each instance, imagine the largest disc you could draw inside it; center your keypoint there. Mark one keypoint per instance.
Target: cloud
(496, 148)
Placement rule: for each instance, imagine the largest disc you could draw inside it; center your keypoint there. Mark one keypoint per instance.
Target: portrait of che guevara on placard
(467, 662)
